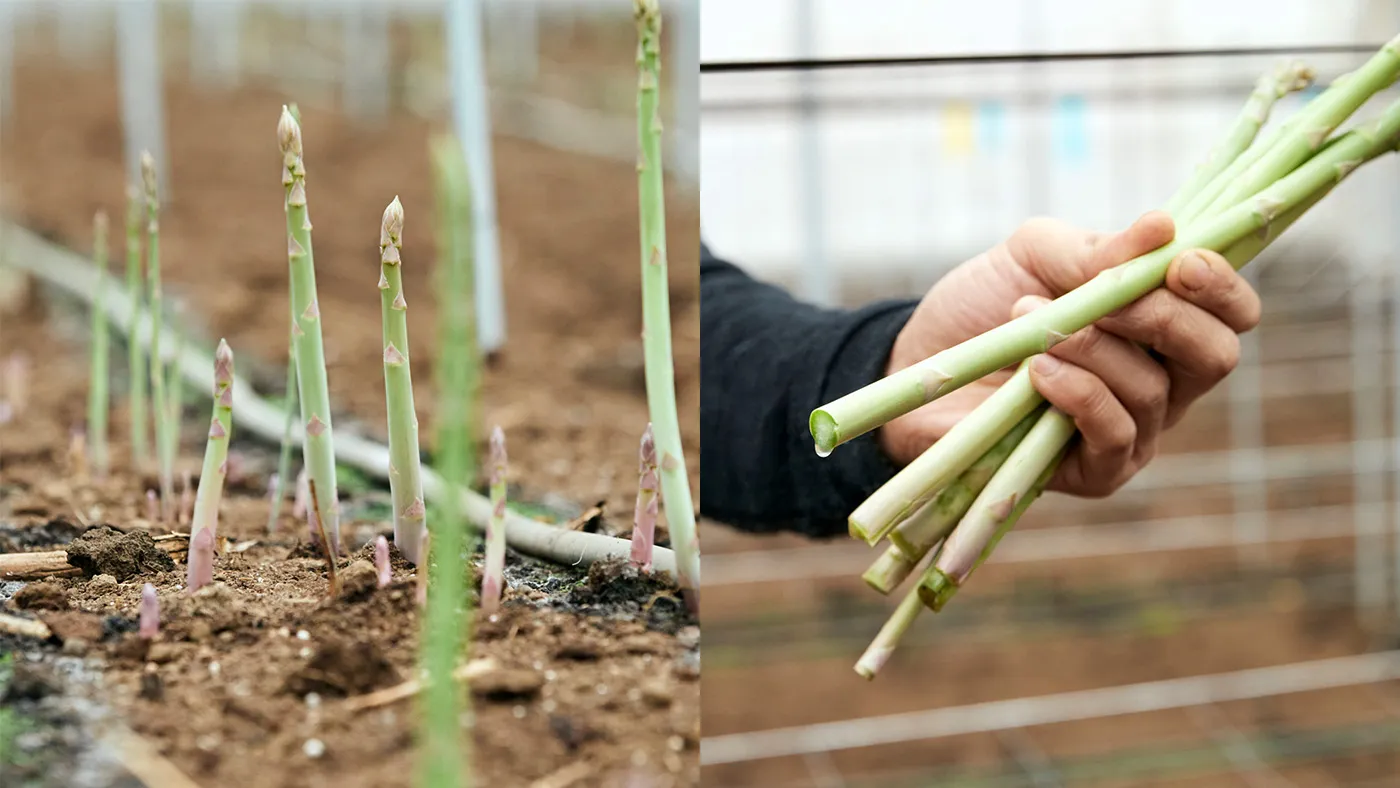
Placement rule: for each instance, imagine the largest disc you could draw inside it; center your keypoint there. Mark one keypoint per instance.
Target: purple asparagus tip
(150, 613)
(498, 455)
(381, 561)
(648, 505)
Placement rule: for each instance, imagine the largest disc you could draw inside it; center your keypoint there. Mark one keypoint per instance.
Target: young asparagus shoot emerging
(98, 396)
(493, 579)
(644, 518)
(159, 404)
(211, 477)
(152, 506)
(199, 571)
(149, 614)
(318, 448)
(405, 472)
(383, 570)
(135, 353)
(656, 309)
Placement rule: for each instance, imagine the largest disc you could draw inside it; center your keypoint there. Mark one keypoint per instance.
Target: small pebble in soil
(548, 706)
(519, 712)
(313, 701)
(303, 635)
(550, 675)
(214, 669)
(676, 743)
(639, 758)
(102, 583)
(601, 689)
(314, 748)
(208, 742)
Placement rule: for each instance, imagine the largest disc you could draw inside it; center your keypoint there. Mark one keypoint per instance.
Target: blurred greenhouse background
(1230, 618)
(373, 59)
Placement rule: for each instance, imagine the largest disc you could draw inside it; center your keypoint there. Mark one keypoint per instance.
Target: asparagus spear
(656, 307)
(205, 522)
(318, 448)
(445, 620)
(1036, 332)
(135, 354)
(1315, 124)
(644, 515)
(405, 472)
(880, 649)
(159, 409)
(890, 569)
(289, 401)
(493, 578)
(98, 397)
(917, 535)
(1271, 87)
(946, 459)
(1007, 495)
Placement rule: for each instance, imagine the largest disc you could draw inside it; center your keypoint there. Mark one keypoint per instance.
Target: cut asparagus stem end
(824, 432)
(884, 644)
(888, 572)
(936, 589)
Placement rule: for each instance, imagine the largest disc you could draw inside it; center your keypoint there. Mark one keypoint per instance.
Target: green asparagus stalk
(946, 459)
(1038, 331)
(1271, 87)
(98, 397)
(917, 535)
(405, 470)
(445, 621)
(882, 648)
(656, 308)
(459, 356)
(174, 390)
(289, 402)
(159, 404)
(214, 471)
(1007, 495)
(1315, 124)
(135, 354)
(318, 448)
(493, 578)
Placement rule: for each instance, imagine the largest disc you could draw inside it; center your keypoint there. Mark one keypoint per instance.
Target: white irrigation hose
(62, 268)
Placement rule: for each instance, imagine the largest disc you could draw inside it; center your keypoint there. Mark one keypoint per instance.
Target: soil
(593, 676)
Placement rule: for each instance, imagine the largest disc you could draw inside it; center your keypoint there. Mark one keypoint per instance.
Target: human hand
(1120, 395)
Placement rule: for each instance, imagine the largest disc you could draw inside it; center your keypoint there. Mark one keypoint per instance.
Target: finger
(1133, 377)
(1104, 457)
(1207, 280)
(1199, 350)
(1064, 257)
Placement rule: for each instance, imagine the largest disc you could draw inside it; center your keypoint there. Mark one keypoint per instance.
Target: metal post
(215, 41)
(817, 283)
(472, 118)
(685, 87)
(365, 83)
(142, 100)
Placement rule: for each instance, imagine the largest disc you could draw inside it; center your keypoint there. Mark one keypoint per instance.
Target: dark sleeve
(767, 361)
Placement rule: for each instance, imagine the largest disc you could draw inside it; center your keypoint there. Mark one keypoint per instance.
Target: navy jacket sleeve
(767, 361)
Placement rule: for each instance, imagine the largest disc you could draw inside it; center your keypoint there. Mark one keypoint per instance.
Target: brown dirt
(597, 673)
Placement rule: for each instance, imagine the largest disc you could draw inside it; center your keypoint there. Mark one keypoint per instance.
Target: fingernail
(1046, 365)
(1195, 271)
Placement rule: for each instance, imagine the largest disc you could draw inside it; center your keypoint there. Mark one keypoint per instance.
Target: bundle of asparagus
(953, 504)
